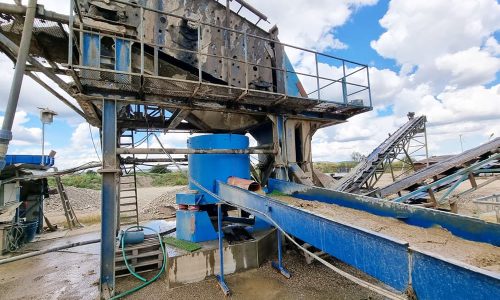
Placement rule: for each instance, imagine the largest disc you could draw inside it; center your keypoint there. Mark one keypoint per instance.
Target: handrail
(363, 85)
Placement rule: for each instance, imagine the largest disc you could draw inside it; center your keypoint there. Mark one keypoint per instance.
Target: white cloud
(23, 135)
(469, 67)
(309, 23)
(442, 35)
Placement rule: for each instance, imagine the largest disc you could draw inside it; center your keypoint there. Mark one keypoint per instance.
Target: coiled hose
(144, 280)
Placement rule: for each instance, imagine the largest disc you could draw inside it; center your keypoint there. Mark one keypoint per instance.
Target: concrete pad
(199, 265)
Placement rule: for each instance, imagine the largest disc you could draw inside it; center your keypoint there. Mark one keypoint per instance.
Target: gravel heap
(80, 199)
(164, 205)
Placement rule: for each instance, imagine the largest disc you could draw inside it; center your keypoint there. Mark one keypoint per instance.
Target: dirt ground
(74, 274)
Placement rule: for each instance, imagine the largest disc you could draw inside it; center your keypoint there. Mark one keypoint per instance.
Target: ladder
(69, 213)
(128, 207)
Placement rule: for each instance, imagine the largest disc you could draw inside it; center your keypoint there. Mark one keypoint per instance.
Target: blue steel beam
(109, 198)
(386, 259)
(465, 227)
(380, 256)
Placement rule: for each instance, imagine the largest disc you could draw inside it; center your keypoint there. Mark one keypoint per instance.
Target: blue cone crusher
(197, 212)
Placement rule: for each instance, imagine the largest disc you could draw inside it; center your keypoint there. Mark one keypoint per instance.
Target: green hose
(146, 282)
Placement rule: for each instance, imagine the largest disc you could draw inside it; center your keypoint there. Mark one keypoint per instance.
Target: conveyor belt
(390, 260)
(441, 168)
(359, 176)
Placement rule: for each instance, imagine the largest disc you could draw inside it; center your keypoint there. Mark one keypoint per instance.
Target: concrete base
(197, 266)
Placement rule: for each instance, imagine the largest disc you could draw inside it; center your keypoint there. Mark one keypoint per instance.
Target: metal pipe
(17, 80)
(252, 9)
(246, 184)
(192, 151)
(40, 252)
(71, 22)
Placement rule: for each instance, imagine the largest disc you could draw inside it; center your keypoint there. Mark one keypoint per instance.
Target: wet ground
(73, 274)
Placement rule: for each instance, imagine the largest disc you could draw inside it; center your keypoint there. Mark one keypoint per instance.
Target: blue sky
(421, 56)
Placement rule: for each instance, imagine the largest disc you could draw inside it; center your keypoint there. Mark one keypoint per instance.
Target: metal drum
(207, 169)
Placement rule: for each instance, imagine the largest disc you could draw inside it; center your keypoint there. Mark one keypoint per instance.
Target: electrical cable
(93, 143)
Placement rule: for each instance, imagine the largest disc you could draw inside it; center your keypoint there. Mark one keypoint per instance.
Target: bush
(169, 179)
(159, 169)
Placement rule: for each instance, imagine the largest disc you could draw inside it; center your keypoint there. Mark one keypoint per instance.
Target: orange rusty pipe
(246, 184)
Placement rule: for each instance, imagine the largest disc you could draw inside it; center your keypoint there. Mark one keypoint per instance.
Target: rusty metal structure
(190, 66)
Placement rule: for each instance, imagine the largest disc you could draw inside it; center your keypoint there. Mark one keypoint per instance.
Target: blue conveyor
(387, 259)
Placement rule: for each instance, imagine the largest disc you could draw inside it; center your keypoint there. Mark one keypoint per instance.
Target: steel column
(109, 198)
(17, 80)
(220, 277)
(279, 265)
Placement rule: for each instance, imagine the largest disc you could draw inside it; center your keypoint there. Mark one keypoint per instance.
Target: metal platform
(173, 77)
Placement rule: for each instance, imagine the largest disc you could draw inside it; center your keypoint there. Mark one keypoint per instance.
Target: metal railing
(349, 84)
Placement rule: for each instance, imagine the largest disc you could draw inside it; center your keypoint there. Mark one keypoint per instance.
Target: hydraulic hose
(144, 280)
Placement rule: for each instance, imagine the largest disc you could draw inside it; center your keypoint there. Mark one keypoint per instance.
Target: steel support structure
(17, 80)
(451, 182)
(387, 259)
(109, 201)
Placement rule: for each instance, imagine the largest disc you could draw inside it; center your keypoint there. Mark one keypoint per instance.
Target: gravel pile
(80, 199)
(164, 205)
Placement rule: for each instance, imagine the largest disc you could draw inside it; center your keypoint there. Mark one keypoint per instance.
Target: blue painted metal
(91, 50)
(220, 277)
(292, 80)
(109, 197)
(188, 198)
(465, 227)
(279, 265)
(29, 159)
(380, 256)
(194, 226)
(122, 60)
(386, 259)
(206, 169)
(435, 277)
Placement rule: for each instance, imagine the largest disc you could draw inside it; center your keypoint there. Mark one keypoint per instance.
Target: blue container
(28, 159)
(207, 169)
(29, 231)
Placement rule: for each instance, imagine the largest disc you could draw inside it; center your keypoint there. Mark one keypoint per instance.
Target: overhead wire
(93, 143)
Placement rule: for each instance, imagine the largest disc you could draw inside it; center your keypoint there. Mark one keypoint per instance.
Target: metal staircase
(128, 207)
(367, 173)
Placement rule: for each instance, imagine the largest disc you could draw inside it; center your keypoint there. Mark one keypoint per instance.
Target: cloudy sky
(439, 58)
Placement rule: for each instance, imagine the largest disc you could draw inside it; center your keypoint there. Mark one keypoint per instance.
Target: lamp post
(461, 143)
(47, 117)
